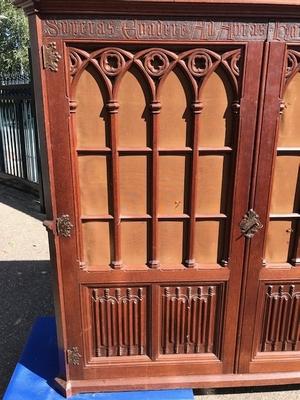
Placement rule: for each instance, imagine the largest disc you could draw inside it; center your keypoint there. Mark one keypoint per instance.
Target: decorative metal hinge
(64, 225)
(250, 224)
(73, 356)
(50, 56)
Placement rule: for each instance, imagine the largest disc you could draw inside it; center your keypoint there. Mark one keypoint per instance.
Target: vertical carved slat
(108, 322)
(130, 322)
(177, 320)
(187, 333)
(191, 262)
(267, 313)
(199, 322)
(124, 327)
(277, 344)
(295, 325)
(97, 322)
(210, 321)
(193, 320)
(119, 321)
(182, 322)
(103, 327)
(134, 324)
(274, 310)
(155, 110)
(204, 319)
(112, 108)
(167, 320)
(282, 338)
(142, 322)
(113, 325)
(172, 323)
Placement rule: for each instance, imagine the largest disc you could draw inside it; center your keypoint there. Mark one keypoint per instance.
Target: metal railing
(19, 150)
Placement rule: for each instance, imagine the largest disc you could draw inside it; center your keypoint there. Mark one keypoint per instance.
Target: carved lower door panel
(161, 144)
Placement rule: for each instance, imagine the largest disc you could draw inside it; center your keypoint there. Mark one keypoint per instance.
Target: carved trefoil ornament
(64, 226)
(73, 356)
(250, 224)
(51, 56)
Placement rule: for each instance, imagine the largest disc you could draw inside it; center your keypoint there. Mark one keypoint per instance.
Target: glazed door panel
(273, 285)
(161, 144)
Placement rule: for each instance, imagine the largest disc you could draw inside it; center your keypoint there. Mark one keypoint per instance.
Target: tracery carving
(292, 63)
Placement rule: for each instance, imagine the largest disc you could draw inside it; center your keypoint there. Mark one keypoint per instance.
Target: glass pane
(207, 238)
(134, 242)
(93, 179)
(90, 113)
(213, 184)
(216, 117)
(175, 114)
(172, 175)
(286, 185)
(170, 243)
(133, 185)
(133, 112)
(278, 241)
(289, 122)
(96, 243)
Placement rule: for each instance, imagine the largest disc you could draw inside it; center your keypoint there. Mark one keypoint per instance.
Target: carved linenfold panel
(191, 319)
(119, 321)
(281, 326)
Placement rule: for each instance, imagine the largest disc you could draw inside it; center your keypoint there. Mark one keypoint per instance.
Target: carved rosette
(199, 63)
(111, 62)
(156, 63)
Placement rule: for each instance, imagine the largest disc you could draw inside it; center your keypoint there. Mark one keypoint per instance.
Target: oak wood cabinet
(171, 147)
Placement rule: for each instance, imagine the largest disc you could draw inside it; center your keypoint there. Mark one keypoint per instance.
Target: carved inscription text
(133, 29)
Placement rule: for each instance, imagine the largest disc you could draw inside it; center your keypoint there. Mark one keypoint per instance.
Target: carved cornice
(29, 6)
(238, 8)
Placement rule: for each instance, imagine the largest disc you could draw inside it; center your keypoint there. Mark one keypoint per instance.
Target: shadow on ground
(25, 202)
(26, 294)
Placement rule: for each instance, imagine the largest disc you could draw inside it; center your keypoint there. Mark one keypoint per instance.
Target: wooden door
(271, 325)
(155, 177)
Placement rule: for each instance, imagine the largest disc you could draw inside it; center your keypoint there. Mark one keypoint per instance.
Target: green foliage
(14, 40)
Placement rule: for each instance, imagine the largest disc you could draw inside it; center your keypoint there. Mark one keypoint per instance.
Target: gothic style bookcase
(171, 148)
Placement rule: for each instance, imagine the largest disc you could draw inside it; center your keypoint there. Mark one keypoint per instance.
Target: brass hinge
(73, 356)
(250, 224)
(50, 56)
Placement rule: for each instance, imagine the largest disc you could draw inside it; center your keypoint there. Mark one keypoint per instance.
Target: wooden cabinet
(171, 140)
